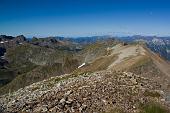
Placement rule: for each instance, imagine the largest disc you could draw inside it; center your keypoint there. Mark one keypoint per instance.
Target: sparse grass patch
(151, 94)
(93, 46)
(143, 61)
(99, 64)
(142, 65)
(153, 108)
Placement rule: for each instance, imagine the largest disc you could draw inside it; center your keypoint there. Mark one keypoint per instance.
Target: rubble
(97, 92)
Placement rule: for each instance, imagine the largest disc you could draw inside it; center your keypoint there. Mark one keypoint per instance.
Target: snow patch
(2, 57)
(1, 42)
(157, 41)
(168, 50)
(83, 64)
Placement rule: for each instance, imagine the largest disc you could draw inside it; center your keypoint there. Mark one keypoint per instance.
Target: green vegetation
(5, 73)
(147, 108)
(35, 75)
(6, 76)
(30, 53)
(153, 108)
(31, 63)
(94, 46)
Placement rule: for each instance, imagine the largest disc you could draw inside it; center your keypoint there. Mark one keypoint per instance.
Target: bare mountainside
(41, 58)
(126, 78)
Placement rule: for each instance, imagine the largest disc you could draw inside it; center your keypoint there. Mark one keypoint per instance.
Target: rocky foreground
(97, 92)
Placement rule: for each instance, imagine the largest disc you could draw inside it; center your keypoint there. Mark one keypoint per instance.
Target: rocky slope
(137, 59)
(96, 92)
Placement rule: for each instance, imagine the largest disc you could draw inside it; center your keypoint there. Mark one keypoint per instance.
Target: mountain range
(160, 45)
(102, 74)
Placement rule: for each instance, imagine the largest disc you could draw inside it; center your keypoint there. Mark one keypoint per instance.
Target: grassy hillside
(6, 76)
(32, 63)
(90, 52)
(34, 54)
(101, 63)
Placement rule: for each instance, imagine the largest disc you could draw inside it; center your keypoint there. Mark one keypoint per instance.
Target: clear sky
(84, 17)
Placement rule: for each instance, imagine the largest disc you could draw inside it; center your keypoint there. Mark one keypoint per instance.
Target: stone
(63, 101)
(69, 101)
(53, 110)
(82, 108)
(68, 93)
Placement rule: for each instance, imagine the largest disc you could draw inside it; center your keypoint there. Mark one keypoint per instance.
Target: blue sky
(84, 17)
